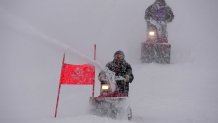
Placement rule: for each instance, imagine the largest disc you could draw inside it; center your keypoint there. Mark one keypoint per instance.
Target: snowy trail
(182, 92)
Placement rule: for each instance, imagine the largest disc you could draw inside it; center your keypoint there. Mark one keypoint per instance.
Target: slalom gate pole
(56, 108)
(94, 52)
(59, 89)
(93, 88)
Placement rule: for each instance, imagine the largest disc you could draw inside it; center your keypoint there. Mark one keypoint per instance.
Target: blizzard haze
(35, 34)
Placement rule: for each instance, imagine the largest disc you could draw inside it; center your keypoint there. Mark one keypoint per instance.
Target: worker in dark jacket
(121, 68)
(157, 16)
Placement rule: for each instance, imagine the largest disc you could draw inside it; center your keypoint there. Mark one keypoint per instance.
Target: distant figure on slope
(157, 16)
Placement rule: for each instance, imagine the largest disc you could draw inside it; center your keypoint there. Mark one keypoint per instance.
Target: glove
(126, 78)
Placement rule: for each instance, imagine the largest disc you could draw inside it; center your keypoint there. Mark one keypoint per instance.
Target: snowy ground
(35, 34)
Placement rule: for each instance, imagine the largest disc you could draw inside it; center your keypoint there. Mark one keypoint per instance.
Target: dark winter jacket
(122, 69)
(159, 12)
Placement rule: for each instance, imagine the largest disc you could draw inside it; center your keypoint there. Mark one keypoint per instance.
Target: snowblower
(111, 102)
(156, 48)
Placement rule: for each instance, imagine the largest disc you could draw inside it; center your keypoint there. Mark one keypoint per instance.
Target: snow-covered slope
(35, 34)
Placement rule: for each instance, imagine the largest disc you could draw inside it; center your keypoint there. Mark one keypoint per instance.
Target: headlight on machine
(151, 33)
(105, 87)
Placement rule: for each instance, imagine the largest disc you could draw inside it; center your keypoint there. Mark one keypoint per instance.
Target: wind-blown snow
(35, 34)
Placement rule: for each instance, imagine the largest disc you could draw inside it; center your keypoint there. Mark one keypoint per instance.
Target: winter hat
(119, 52)
(163, 2)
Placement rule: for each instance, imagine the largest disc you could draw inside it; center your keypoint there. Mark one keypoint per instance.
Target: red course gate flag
(77, 74)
